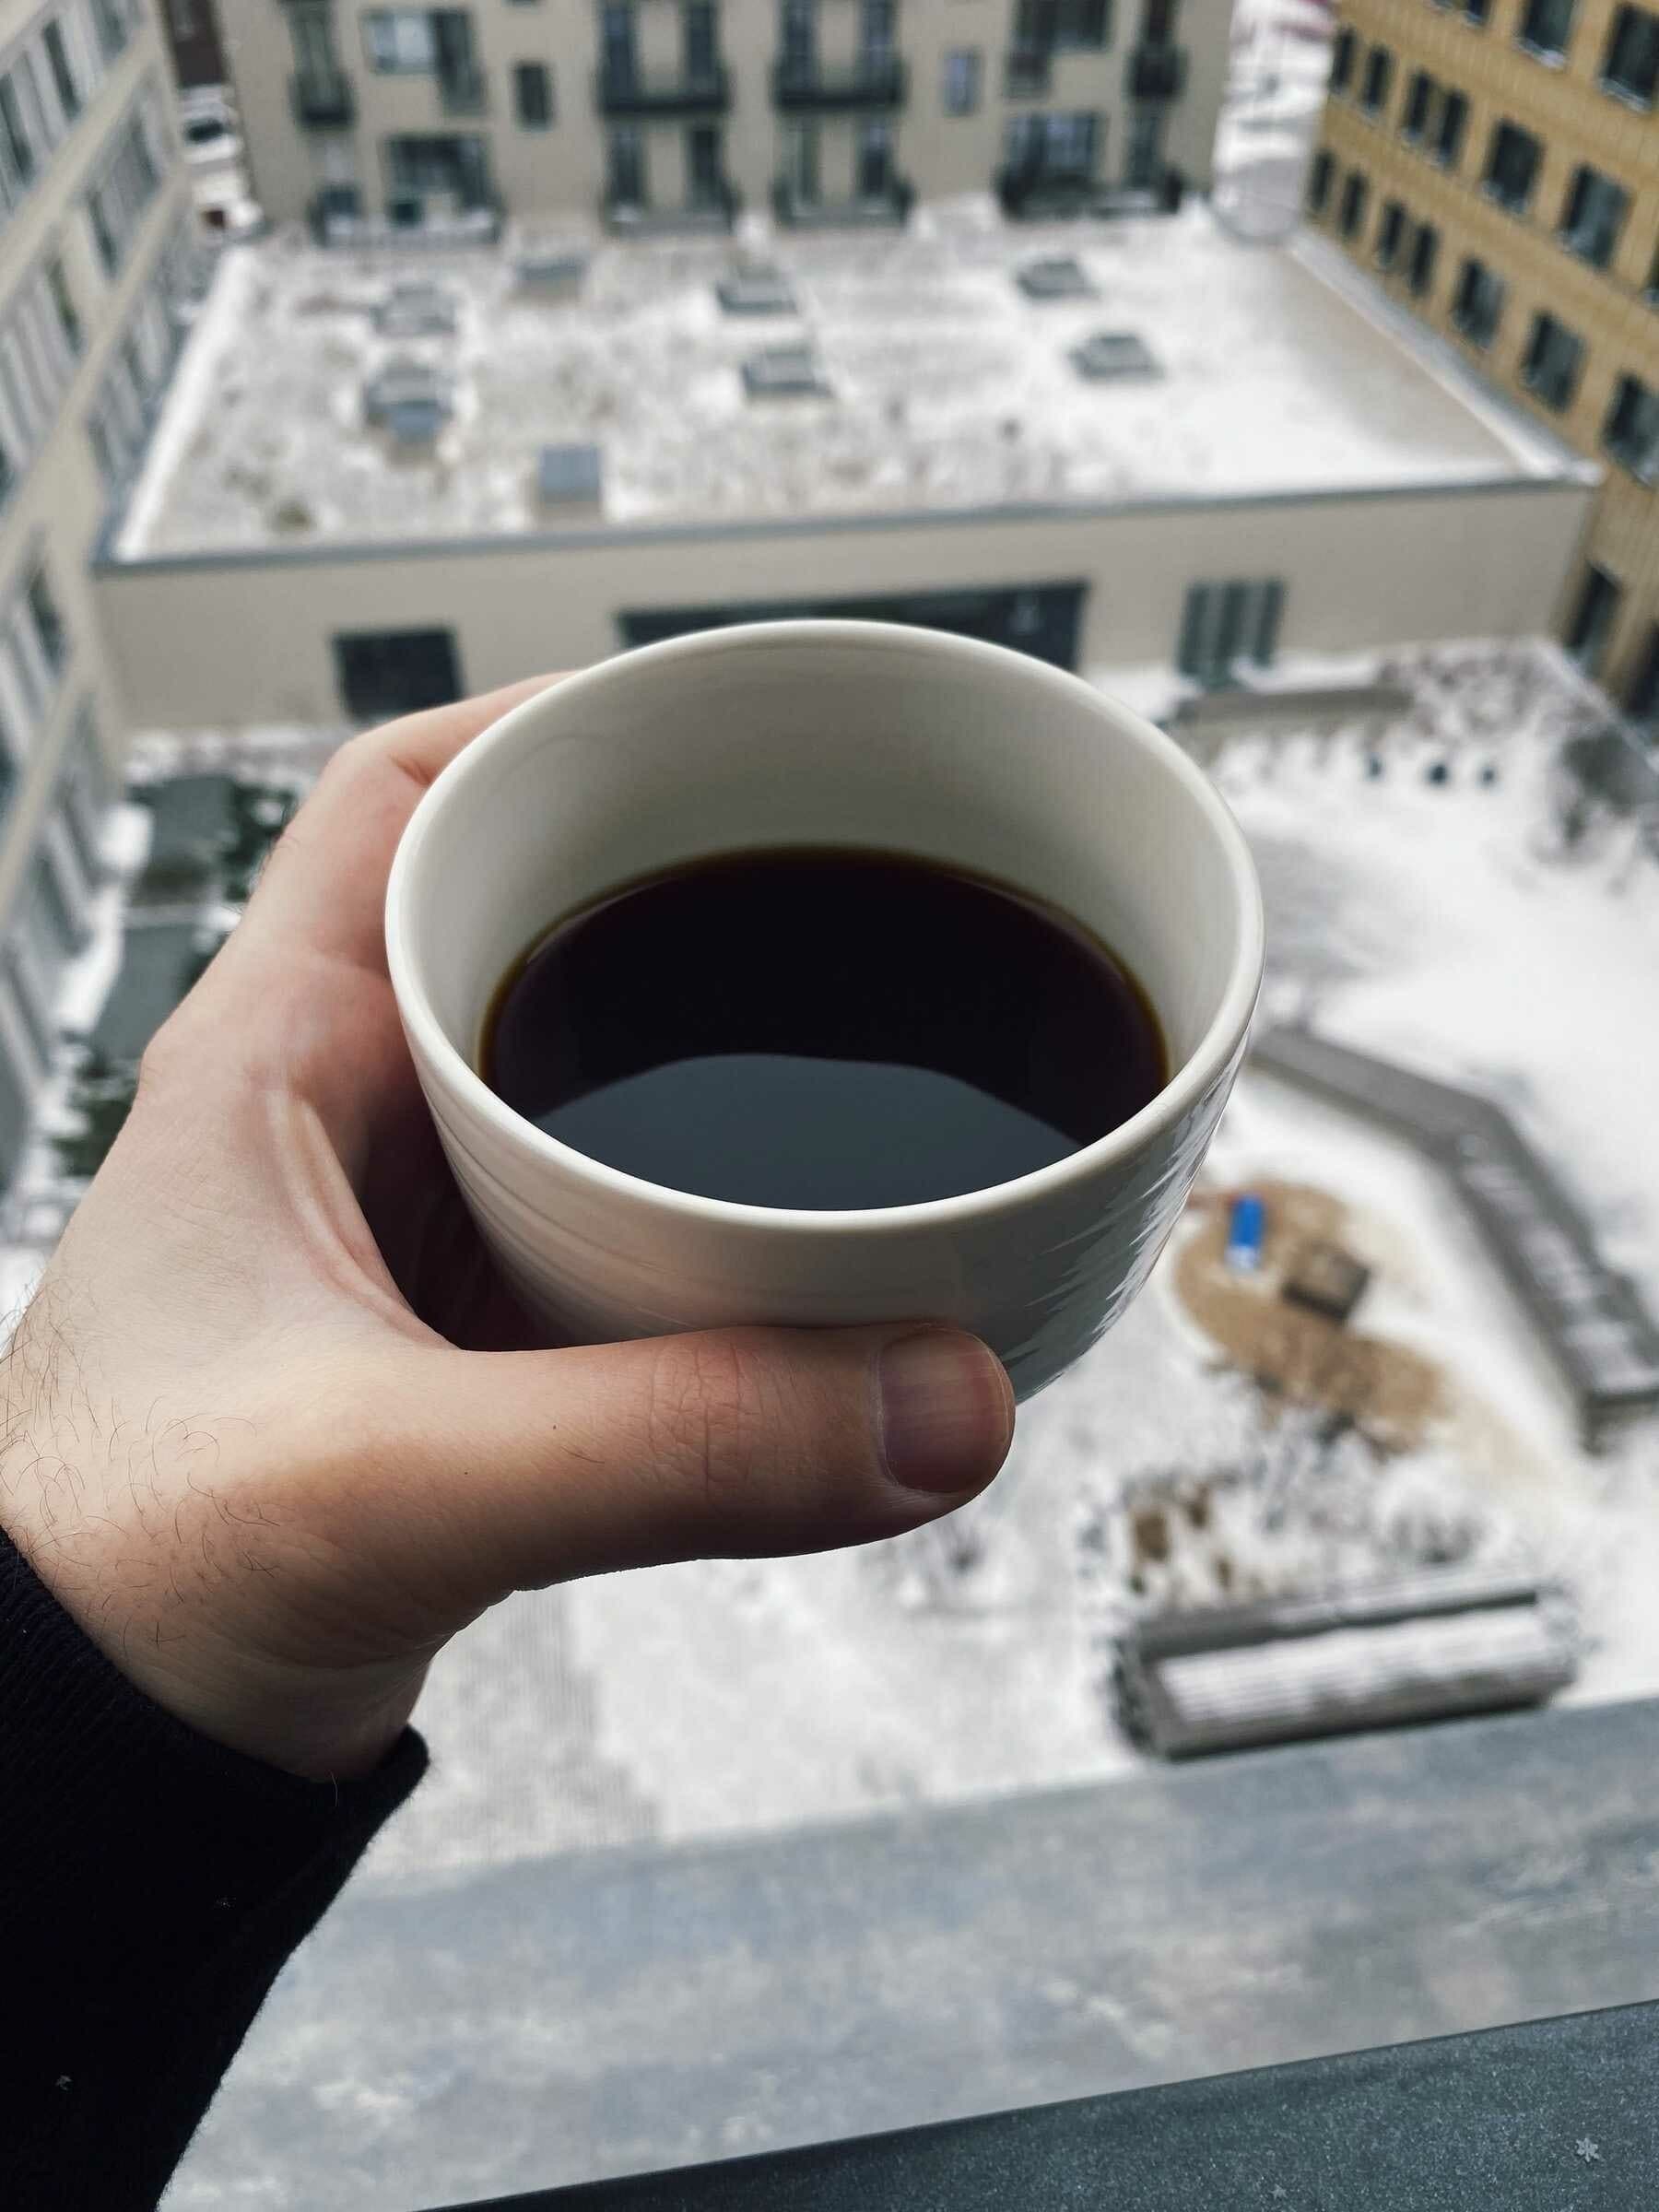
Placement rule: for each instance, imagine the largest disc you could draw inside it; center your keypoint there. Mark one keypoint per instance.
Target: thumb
(548, 1466)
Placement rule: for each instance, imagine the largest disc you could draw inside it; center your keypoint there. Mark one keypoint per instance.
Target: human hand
(275, 1430)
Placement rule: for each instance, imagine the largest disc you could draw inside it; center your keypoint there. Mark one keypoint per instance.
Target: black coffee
(822, 1027)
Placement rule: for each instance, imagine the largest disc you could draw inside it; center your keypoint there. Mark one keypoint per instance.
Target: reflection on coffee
(822, 1027)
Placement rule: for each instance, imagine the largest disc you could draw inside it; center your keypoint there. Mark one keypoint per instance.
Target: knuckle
(705, 1422)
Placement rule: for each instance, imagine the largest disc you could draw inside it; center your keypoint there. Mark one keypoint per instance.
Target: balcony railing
(323, 100)
(1157, 72)
(663, 92)
(808, 212)
(463, 91)
(871, 81)
(1040, 191)
(715, 210)
(1026, 71)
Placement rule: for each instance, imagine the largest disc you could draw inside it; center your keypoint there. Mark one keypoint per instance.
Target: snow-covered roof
(947, 387)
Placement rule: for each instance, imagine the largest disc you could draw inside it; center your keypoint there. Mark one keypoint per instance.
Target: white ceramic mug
(839, 733)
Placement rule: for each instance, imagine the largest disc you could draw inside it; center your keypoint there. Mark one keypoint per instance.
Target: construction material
(1227, 1677)
(1244, 1232)
(1602, 1337)
(1327, 1280)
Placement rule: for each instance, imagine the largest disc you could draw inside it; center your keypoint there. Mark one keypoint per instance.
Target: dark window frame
(1344, 49)
(1479, 301)
(1452, 128)
(1377, 82)
(1510, 144)
(1419, 103)
(536, 112)
(1391, 234)
(970, 60)
(1633, 402)
(1642, 24)
(1322, 175)
(1424, 262)
(1545, 29)
(1585, 181)
(1351, 207)
(1547, 379)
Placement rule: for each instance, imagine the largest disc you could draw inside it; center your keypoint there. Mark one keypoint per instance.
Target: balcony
(463, 91)
(710, 214)
(323, 100)
(888, 209)
(1035, 193)
(870, 81)
(1157, 73)
(665, 92)
(1026, 73)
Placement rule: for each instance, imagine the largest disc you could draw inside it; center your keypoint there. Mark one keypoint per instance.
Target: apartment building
(1495, 163)
(97, 245)
(684, 113)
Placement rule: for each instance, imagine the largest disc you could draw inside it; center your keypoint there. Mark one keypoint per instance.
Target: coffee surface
(822, 1027)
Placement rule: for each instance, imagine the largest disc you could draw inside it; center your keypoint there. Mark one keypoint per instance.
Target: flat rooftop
(940, 385)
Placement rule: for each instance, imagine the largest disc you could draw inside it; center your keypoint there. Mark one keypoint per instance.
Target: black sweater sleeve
(151, 1885)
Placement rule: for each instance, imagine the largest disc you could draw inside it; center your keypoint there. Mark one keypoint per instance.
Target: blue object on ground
(1245, 1233)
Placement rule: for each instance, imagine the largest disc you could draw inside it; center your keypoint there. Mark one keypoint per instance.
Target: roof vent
(568, 476)
(414, 309)
(409, 400)
(761, 291)
(551, 270)
(1115, 356)
(1060, 276)
(778, 371)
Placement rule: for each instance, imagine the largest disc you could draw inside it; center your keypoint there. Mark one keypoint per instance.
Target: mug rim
(1190, 1081)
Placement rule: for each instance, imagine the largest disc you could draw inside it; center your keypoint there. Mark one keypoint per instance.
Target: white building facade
(97, 245)
(685, 113)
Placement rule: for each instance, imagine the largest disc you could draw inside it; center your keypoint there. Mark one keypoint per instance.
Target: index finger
(324, 890)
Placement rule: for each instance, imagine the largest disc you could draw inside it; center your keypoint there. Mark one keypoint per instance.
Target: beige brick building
(1496, 165)
(97, 248)
(684, 113)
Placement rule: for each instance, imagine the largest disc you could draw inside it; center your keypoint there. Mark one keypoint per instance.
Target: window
(1632, 66)
(1379, 74)
(1478, 304)
(1352, 213)
(625, 162)
(1554, 358)
(1391, 233)
(1595, 216)
(701, 47)
(875, 158)
(1343, 50)
(1319, 180)
(533, 95)
(1453, 122)
(1546, 26)
(48, 623)
(62, 304)
(115, 204)
(705, 174)
(962, 71)
(63, 76)
(7, 476)
(1425, 253)
(1476, 12)
(1224, 623)
(1513, 167)
(1051, 145)
(387, 672)
(110, 20)
(1078, 25)
(400, 39)
(14, 132)
(1592, 616)
(1420, 97)
(798, 37)
(1631, 430)
(1642, 697)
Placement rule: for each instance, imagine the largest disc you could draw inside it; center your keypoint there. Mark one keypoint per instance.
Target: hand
(275, 1430)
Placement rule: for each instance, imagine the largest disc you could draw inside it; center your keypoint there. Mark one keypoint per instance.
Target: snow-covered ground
(946, 386)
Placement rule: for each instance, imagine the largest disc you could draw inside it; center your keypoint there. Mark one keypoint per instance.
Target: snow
(948, 388)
